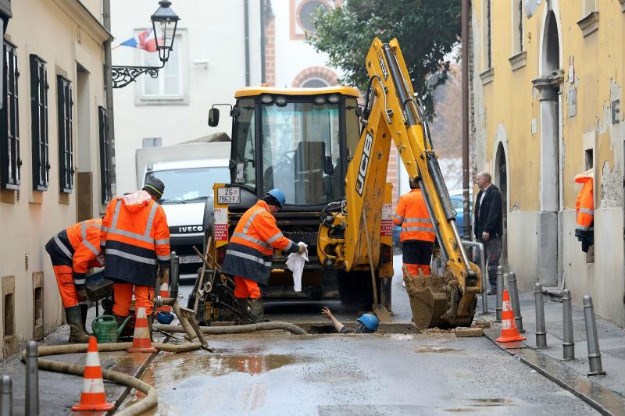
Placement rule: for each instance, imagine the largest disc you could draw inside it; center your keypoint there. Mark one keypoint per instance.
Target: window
(9, 117)
(517, 26)
(66, 148)
(169, 83)
(39, 123)
(106, 154)
(152, 142)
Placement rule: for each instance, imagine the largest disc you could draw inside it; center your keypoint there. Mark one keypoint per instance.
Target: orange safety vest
(250, 249)
(413, 216)
(585, 205)
(135, 239)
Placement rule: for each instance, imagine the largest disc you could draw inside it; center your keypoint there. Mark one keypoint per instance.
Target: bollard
(174, 275)
(484, 269)
(594, 356)
(541, 334)
(499, 293)
(568, 342)
(514, 298)
(32, 380)
(6, 401)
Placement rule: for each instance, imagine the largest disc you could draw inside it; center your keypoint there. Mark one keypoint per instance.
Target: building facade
(52, 138)
(547, 80)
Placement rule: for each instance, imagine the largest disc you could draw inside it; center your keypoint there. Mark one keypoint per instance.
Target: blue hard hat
(369, 320)
(165, 318)
(279, 195)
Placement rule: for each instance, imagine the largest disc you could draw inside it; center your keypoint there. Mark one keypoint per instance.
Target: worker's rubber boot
(242, 317)
(74, 320)
(120, 321)
(255, 310)
(84, 310)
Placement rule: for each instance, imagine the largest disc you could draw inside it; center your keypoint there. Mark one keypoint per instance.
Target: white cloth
(295, 262)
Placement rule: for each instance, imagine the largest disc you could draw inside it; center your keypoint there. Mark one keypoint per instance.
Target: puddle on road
(176, 367)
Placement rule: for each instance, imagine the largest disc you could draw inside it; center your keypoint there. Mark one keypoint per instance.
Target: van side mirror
(213, 117)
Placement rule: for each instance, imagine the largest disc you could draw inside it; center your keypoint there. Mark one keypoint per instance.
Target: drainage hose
(137, 408)
(235, 329)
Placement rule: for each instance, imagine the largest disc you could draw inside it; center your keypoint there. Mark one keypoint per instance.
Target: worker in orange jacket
(73, 252)
(417, 232)
(585, 209)
(250, 250)
(135, 241)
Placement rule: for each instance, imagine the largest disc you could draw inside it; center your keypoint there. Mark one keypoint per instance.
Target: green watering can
(105, 328)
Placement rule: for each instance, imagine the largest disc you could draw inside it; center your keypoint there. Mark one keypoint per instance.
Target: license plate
(228, 196)
(189, 259)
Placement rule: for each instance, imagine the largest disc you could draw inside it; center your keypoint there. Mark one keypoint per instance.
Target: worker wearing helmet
(417, 232)
(585, 210)
(250, 250)
(72, 252)
(367, 323)
(135, 241)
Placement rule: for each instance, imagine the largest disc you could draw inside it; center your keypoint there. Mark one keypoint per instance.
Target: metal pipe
(594, 355)
(484, 269)
(32, 380)
(514, 298)
(499, 293)
(541, 334)
(568, 342)
(6, 400)
(174, 275)
(466, 9)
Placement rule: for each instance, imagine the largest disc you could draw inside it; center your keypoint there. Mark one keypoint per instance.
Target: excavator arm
(392, 115)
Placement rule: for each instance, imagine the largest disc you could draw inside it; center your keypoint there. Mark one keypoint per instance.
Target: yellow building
(52, 136)
(546, 85)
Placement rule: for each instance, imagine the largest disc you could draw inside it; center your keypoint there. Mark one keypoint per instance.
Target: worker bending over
(73, 251)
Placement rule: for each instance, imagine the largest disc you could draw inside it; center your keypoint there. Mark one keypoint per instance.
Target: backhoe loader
(330, 158)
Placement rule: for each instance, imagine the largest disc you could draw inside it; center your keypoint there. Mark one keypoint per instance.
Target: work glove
(81, 293)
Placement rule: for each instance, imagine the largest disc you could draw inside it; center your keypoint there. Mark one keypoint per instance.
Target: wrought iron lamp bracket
(124, 75)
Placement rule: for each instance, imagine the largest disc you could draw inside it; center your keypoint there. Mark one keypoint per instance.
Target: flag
(143, 40)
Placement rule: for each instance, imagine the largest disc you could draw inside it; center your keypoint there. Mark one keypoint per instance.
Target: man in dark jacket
(488, 224)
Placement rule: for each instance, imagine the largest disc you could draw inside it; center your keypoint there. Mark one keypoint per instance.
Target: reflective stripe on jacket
(585, 206)
(412, 214)
(77, 246)
(251, 247)
(135, 239)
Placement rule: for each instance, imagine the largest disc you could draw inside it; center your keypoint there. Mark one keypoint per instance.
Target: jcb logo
(364, 164)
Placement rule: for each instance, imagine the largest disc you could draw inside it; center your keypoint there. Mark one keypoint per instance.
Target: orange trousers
(413, 269)
(122, 294)
(246, 288)
(65, 280)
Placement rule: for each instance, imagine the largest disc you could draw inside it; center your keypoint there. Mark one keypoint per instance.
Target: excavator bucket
(435, 301)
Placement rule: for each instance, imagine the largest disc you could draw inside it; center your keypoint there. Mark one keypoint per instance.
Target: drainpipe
(246, 24)
(108, 86)
(263, 76)
(466, 7)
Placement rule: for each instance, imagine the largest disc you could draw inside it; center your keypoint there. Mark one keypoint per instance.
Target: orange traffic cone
(93, 396)
(509, 331)
(164, 293)
(141, 338)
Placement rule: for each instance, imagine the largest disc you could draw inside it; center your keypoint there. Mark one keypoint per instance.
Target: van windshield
(189, 185)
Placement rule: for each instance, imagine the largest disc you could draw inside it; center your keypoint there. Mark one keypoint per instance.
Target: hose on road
(236, 329)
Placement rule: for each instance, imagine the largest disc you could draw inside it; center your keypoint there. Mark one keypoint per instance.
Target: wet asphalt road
(276, 373)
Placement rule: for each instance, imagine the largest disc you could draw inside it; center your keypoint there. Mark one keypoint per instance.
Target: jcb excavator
(307, 142)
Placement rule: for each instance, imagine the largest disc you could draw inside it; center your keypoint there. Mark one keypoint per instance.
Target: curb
(602, 399)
